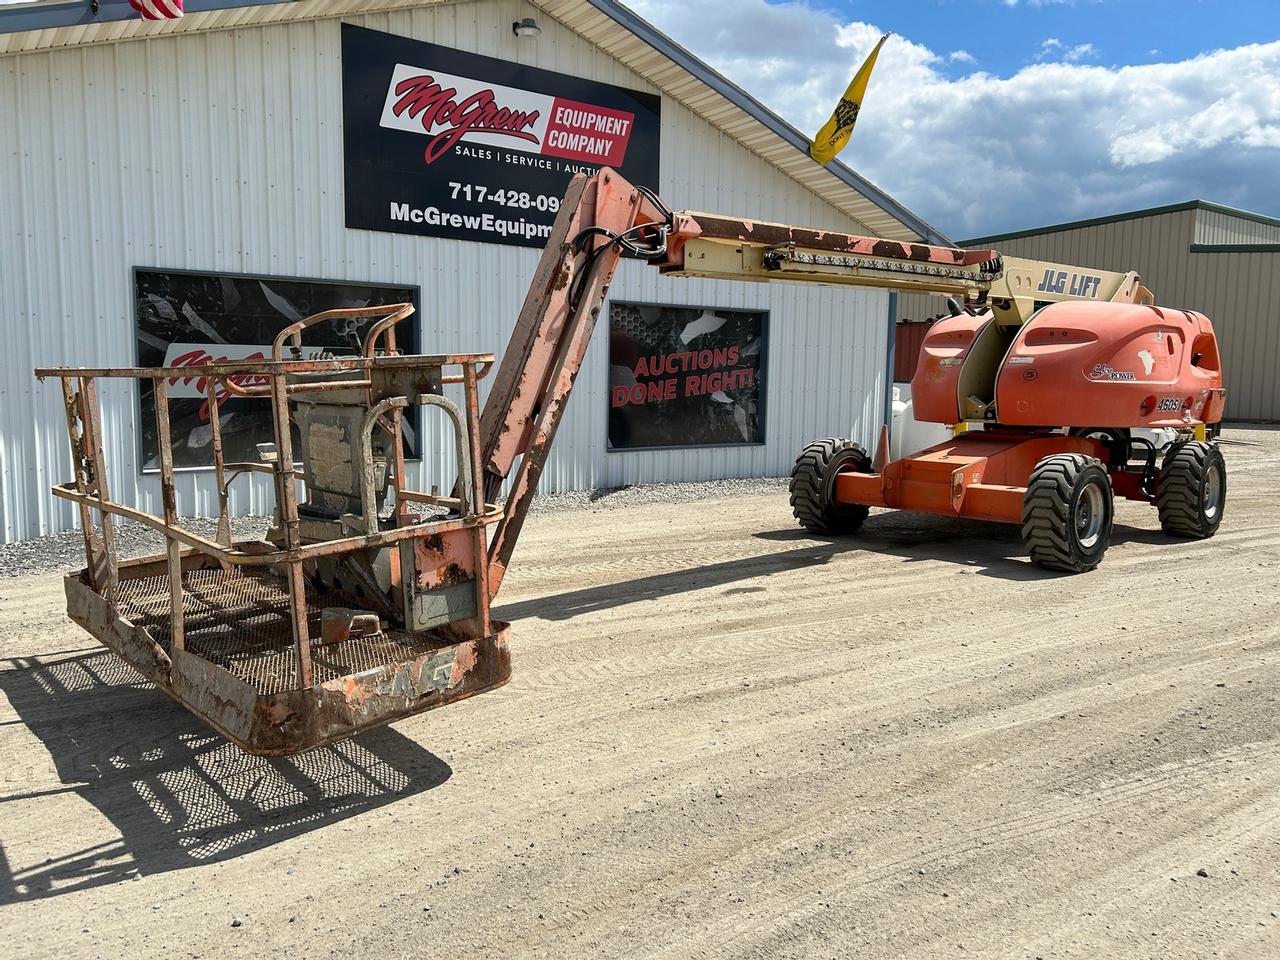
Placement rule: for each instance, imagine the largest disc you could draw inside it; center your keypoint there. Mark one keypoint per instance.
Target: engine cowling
(1073, 364)
(1082, 364)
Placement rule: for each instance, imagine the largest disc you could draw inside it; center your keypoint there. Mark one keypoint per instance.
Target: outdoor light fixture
(528, 27)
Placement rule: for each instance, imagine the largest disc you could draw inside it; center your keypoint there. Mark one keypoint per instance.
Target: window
(186, 319)
(685, 376)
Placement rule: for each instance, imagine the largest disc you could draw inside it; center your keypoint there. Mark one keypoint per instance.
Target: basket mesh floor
(239, 620)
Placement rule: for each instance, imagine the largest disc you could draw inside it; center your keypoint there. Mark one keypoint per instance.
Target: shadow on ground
(562, 606)
(988, 549)
(178, 793)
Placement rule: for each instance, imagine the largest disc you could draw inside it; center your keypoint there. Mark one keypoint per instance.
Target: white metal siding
(604, 30)
(222, 151)
(133, 27)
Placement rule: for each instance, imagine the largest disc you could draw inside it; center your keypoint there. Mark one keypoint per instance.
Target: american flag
(158, 9)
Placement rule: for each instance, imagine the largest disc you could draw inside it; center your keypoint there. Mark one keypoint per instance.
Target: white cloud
(1055, 49)
(1081, 51)
(1057, 140)
(961, 56)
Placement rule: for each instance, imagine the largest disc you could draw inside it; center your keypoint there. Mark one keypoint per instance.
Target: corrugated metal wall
(1154, 246)
(222, 152)
(920, 307)
(909, 337)
(1239, 292)
(1216, 226)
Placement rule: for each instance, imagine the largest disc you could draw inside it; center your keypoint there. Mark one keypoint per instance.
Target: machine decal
(1083, 285)
(1102, 371)
(1148, 361)
(1170, 405)
(444, 143)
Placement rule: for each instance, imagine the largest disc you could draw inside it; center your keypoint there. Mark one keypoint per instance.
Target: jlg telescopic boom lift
(369, 601)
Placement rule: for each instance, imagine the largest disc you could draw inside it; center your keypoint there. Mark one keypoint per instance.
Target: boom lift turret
(369, 600)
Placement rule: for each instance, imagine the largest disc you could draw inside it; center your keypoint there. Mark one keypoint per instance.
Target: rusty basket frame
(242, 633)
(265, 639)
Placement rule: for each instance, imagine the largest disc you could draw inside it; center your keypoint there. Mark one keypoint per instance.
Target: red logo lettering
(423, 97)
(200, 358)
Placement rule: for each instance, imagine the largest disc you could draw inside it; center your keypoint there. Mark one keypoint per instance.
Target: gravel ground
(722, 738)
(65, 551)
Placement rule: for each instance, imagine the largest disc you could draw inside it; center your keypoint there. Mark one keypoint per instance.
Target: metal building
(1197, 255)
(209, 152)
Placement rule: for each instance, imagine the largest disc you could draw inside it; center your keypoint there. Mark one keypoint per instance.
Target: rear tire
(813, 486)
(1192, 491)
(1067, 512)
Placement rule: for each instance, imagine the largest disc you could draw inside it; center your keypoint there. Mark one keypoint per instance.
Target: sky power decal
(440, 142)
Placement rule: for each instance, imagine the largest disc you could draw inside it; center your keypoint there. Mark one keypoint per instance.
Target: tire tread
(1178, 495)
(1046, 512)
(809, 483)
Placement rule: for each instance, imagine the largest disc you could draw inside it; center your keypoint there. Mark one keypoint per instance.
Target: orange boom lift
(1054, 364)
(369, 600)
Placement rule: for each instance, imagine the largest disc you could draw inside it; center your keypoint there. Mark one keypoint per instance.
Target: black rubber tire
(813, 484)
(1061, 525)
(1188, 498)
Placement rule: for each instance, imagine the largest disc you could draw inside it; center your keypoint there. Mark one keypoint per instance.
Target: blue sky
(986, 116)
(1004, 36)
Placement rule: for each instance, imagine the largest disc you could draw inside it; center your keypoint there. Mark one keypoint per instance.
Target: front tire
(1192, 491)
(813, 481)
(1067, 512)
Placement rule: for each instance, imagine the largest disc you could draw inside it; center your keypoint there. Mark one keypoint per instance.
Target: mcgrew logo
(435, 217)
(434, 105)
(450, 109)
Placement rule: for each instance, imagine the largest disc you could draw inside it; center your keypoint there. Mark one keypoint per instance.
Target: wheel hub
(1212, 499)
(1090, 515)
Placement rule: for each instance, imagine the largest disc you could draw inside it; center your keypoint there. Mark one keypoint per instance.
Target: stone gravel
(65, 551)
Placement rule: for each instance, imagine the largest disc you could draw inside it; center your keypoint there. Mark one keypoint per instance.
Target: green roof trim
(1121, 217)
(1235, 248)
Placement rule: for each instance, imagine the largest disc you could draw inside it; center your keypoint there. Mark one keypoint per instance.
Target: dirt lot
(724, 738)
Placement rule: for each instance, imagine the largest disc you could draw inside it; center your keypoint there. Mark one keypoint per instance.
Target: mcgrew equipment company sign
(450, 144)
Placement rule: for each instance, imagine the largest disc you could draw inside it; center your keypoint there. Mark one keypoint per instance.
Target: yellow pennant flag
(835, 133)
